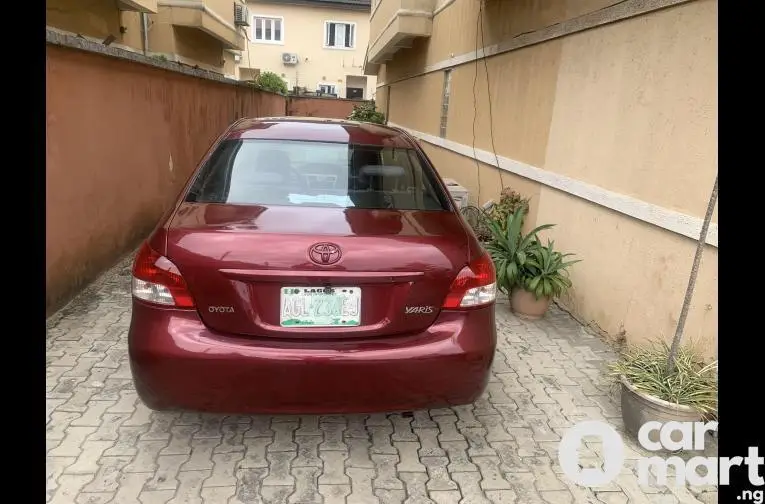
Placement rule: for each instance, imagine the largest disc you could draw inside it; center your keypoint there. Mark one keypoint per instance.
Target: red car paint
(220, 347)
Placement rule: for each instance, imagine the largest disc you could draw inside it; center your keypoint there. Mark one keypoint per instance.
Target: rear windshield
(278, 172)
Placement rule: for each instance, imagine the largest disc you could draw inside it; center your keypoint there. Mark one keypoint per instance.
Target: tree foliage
(367, 112)
(269, 81)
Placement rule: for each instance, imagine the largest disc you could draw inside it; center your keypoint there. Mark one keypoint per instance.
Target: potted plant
(510, 202)
(669, 383)
(543, 276)
(509, 248)
(650, 391)
(530, 273)
(478, 219)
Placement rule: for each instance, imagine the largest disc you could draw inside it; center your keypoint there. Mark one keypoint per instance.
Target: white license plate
(320, 306)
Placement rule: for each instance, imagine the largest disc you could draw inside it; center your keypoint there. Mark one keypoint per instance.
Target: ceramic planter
(527, 306)
(639, 408)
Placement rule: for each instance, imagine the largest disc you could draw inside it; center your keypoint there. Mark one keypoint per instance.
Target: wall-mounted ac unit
(289, 58)
(459, 193)
(237, 58)
(241, 15)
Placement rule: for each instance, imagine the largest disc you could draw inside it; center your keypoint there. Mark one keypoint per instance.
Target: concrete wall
(122, 139)
(165, 35)
(605, 114)
(175, 32)
(333, 108)
(94, 19)
(304, 36)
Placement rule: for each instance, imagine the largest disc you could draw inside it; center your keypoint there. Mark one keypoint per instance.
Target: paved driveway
(104, 445)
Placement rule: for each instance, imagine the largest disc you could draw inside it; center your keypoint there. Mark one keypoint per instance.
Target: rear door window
(300, 173)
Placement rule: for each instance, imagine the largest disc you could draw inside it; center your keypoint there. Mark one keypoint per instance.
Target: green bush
(509, 248)
(522, 261)
(269, 81)
(367, 112)
(545, 272)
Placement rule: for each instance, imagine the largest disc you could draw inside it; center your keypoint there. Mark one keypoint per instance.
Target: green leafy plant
(269, 81)
(367, 112)
(510, 249)
(545, 271)
(510, 202)
(691, 383)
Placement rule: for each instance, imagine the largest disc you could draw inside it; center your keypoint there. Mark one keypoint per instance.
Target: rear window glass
(300, 173)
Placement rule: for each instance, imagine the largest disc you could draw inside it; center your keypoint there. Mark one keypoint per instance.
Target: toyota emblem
(324, 253)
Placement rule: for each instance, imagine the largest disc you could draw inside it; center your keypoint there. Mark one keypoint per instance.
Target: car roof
(319, 130)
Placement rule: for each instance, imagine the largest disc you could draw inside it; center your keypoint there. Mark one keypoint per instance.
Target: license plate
(320, 306)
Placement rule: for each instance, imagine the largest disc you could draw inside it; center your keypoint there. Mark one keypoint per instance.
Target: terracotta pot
(639, 408)
(527, 306)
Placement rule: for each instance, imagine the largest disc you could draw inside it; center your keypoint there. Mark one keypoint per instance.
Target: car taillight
(474, 286)
(157, 280)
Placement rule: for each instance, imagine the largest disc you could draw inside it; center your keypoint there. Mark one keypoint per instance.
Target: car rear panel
(177, 362)
(236, 258)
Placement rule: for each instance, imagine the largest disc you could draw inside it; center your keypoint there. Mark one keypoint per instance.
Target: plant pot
(639, 408)
(527, 306)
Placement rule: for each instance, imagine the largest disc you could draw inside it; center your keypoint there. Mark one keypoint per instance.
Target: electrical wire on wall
(475, 104)
(488, 96)
(249, 44)
(479, 45)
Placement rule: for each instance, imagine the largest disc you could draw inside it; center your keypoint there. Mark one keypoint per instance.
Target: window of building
(338, 35)
(325, 88)
(269, 30)
(445, 101)
(353, 93)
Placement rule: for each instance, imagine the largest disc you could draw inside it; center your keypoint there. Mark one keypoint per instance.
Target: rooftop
(315, 129)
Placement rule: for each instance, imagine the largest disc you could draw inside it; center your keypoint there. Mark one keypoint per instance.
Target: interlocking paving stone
(104, 445)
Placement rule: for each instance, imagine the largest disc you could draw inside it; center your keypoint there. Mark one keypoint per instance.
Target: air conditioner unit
(459, 193)
(241, 15)
(289, 58)
(237, 58)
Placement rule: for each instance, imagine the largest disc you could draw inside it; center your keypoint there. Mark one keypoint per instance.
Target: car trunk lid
(238, 260)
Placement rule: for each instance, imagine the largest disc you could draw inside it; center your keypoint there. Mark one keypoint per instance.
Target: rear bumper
(178, 363)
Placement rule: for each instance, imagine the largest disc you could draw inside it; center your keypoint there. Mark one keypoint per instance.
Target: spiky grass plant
(692, 382)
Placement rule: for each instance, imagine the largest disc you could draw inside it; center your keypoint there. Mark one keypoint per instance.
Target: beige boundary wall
(605, 114)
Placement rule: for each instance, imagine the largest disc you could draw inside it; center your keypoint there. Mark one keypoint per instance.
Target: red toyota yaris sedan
(312, 266)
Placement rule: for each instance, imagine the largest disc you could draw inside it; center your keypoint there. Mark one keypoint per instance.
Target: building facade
(603, 112)
(314, 45)
(207, 34)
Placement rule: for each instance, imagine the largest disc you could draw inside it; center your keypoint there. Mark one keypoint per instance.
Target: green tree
(366, 112)
(269, 81)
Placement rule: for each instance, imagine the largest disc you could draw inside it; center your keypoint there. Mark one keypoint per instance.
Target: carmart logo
(691, 439)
